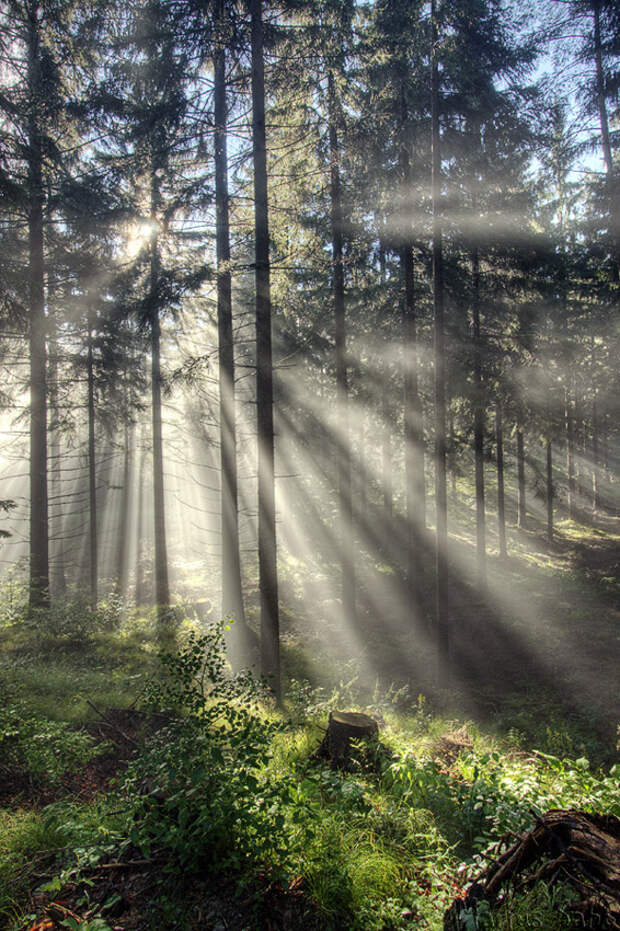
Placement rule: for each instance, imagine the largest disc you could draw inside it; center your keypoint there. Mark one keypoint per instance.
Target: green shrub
(199, 789)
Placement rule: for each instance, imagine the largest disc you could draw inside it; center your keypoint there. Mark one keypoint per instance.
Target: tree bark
(92, 465)
(521, 506)
(58, 581)
(39, 528)
(267, 547)
(232, 597)
(347, 565)
(122, 568)
(605, 137)
(162, 589)
(481, 556)
(549, 492)
(501, 504)
(441, 506)
(415, 497)
(570, 450)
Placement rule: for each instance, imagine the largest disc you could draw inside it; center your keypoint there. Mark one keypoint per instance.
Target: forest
(309, 473)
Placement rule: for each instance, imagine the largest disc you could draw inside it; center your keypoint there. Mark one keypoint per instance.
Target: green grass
(371, 849)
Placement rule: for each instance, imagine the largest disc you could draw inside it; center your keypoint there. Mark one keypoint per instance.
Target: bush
(199, 789)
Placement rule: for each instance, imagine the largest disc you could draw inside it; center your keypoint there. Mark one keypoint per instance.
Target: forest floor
(87, 840)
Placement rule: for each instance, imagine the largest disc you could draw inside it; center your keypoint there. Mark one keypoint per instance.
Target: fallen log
(572, 847)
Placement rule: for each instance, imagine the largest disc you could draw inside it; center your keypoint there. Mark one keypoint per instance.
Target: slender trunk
(267, 547)
(141, 549)
(481, 556)
(596, 503)
(521, 506)
(92, 466)
(386, 450)
(39, 530)
(162, 589)
(501, 506)
(58, 581)
(549, 492)
(441, 548)
(605, 137)
(415, 498)
(452, 457)
(122, 567)
(570, 451)
(347, 566)
(232, 597)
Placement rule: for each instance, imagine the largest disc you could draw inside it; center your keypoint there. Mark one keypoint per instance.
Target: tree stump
(575, 847)
(343, 727)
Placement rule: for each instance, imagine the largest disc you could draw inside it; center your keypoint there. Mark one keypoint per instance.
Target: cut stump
(574, 847)
(343, 727)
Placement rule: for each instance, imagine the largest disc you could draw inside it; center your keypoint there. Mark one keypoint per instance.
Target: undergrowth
(229, 786)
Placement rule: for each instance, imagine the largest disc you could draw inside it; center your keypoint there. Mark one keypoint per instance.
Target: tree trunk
(549, 492)
(58, 581)
(122, 567)
(267, 548)
(232, 597)
(521, 507)
(39, 529)
(347, 565)
(596, 498)
(92, 466)
(605, 138)
(441, 547)
(343, 727)
(415, 497)
(481, 556)
(162, 589)
(570, 451)
(141, 549)
(501, 505)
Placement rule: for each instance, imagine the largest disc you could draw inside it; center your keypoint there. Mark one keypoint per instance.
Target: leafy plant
(199, 789)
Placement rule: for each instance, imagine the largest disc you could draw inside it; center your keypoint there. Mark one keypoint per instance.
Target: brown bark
(343, 727)
(481, 556)
(92, 464)
(267, 549)
(347, 566)
(501, 503)
(549, 491)
(521, 505)
(232, 598)
(441, 507)
(563, 846)
(39, 530)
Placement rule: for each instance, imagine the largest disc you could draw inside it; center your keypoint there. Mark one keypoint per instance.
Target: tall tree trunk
(596, 498)
(92, 465)
(122, 567)
(58, 581)
(415, 497)
(141, 549)
(481, 556)
(570, 450)
(606, 138)
(39, 530)
(549, 492)
(521, 506)
(441, 505)
(232, 597)
(386, 450)
(162, 589)
(267, 547)
(501, 505)
(347, 564)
